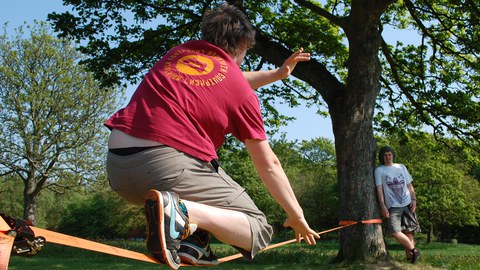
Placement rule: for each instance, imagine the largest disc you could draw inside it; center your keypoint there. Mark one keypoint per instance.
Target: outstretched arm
(271, 172)
(261, 78)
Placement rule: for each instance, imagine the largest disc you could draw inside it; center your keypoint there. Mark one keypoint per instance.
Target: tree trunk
(430, 234)
(351, 107)
(352, 118)
(30, 201)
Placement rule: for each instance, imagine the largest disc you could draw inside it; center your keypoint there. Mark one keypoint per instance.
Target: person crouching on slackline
(162, 146)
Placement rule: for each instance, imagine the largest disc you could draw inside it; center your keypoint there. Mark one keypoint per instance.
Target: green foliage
(101, 216)
(11, 202)
(436, 81)
(310, 166)
(51, 205)
(52, 113)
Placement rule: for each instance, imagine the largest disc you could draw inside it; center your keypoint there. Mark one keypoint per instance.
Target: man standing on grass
(398, 201)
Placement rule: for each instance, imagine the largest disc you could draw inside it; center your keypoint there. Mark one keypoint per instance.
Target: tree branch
(311, 72)
(421, 108)
(322, 12)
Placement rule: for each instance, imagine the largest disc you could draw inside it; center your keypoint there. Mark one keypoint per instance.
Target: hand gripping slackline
(342, 224)
(19, 238)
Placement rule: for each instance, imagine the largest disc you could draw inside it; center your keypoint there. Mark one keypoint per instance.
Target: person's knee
(398, 235)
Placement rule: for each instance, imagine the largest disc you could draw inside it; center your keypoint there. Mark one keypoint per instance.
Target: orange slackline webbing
(236, 256)
(67, 240)
(342, 224)
(368, 221)
(6, 243)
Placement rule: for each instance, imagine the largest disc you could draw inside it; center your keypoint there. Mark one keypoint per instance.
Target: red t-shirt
(194, 96)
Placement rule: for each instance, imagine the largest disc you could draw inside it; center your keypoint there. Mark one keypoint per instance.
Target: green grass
(294, 256)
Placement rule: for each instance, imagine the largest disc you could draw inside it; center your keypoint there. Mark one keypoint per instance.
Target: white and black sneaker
(195, 250)
(168, 224)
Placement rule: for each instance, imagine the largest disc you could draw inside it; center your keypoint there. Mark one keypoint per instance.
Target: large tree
(353, 69)
(52, 110)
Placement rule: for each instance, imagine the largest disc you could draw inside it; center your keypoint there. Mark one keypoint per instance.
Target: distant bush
(102, 216)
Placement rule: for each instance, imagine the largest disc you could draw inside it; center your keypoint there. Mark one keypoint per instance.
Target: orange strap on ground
(67, 240)
(6, 243)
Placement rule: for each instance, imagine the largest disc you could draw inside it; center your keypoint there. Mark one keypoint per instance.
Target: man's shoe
(195, 250)
(415, 255)
(167, 226)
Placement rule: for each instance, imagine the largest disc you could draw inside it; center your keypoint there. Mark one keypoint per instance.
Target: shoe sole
(187, 258)
(159, 231)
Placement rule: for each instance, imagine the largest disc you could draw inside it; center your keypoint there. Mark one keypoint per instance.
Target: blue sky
(308, 125)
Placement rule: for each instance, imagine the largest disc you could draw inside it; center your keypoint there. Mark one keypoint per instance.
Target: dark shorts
(402, 220)
(164, 168)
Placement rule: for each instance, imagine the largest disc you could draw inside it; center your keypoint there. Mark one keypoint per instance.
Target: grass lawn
(294, 256)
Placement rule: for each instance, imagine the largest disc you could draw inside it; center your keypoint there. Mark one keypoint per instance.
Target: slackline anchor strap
(25, 242)
(6, 244)
(367, 221)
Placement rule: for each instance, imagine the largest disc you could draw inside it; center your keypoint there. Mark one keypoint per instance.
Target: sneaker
(415, 255)
(167, 226)
(195, 250)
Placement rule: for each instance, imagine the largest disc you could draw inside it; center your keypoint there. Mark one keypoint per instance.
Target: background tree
(52, 112)
(432, 84)
(317, 182)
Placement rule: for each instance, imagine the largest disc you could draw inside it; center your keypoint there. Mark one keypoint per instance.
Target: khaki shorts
(166, 169)
(402, 220)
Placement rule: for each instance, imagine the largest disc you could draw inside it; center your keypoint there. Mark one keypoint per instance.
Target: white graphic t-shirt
(394, 180)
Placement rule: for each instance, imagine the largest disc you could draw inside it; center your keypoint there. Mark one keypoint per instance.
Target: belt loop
(215, 164)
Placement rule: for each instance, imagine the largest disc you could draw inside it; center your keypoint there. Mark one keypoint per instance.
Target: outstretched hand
(287, 67)
(259, 78)
(302, 229)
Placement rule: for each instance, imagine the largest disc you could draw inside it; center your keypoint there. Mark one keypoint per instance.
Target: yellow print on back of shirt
(188, 68)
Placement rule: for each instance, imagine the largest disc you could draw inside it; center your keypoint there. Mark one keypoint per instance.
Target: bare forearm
(381, 202)
(381, 199)
(412, 191)
(260, 78)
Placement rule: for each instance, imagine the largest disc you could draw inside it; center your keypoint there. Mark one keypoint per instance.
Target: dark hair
(382, 152)
(228, 28)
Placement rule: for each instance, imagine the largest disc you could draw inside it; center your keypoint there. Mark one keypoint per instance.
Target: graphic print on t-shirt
(396, 187)
(196, 67)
